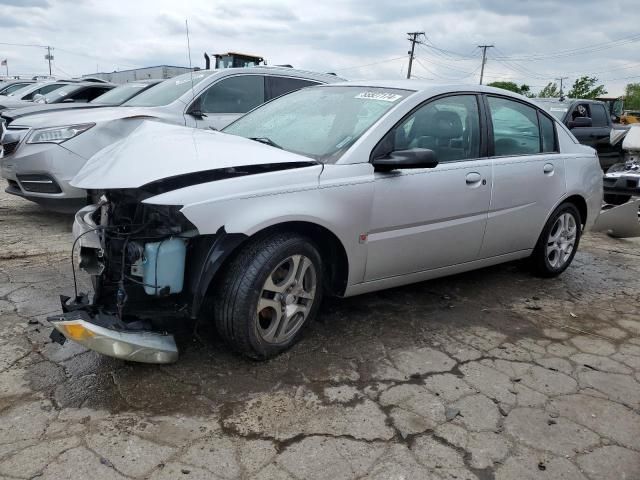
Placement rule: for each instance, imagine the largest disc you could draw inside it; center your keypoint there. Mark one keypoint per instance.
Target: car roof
(285, 71)
(149, 81)
(430, 87)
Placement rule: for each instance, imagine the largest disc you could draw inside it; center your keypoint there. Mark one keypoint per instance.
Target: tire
(258, 281)
(551, 259)
(615, 199)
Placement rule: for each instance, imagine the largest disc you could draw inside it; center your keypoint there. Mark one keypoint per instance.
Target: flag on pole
(4, 62)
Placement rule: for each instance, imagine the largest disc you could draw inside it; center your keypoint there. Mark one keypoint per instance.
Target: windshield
(120, 94)
(318, 122)
(59, 93)
(167, 91)
(556, 109)
(24, 90)
(7, 89)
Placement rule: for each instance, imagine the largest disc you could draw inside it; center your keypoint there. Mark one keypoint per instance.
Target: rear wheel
(558, 242)
(270, 292)
(614, 199)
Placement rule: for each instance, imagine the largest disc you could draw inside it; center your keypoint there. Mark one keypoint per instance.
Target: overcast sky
(355, 38)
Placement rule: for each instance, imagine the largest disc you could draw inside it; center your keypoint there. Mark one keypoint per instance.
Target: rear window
(548, 133)
(277, 86)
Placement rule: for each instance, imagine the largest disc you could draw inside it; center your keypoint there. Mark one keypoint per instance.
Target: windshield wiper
(266, 141)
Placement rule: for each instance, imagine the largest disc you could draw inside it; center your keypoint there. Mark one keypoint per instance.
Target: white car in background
(42, 153)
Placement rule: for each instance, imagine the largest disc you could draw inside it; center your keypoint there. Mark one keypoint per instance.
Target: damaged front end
(136, 254)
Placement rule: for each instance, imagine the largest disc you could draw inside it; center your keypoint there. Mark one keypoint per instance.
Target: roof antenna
(186, 23)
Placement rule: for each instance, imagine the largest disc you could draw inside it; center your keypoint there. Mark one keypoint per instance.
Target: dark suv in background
(590, 122)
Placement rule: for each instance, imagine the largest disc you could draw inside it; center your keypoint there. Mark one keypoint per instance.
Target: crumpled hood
(155, 151)
(75, 117)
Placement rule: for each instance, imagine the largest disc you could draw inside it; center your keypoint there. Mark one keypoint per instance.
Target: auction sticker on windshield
(386, 97)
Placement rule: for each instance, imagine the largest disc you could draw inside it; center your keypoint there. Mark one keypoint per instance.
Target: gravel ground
(492, 374)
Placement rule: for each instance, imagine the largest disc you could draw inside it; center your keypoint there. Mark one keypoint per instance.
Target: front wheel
(270, 292)
(558, 242)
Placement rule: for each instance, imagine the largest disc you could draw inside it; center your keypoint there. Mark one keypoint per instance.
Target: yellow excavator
(629, 117)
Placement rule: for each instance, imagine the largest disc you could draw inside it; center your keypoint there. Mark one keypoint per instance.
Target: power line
(369, 64)
(577, 51)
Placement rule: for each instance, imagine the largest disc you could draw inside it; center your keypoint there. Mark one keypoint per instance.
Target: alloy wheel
(286, 299)
(561, 240)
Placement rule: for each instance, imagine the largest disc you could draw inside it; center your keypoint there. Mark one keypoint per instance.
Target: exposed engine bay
(136, 254)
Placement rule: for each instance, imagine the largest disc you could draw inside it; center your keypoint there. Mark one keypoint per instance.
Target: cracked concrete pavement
(492, 374)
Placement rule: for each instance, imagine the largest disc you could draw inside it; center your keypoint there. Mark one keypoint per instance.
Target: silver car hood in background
(76, 117)
(156, 151)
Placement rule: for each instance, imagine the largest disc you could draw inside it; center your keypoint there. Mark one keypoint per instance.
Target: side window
(49, 88)
(547, 131)
(449, 126)
(277, 86)
(598, 115)
(88, 94)
(580, 110)
(237, 94)
(515, 127)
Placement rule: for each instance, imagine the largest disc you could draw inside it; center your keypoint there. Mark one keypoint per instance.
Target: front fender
(339, 203)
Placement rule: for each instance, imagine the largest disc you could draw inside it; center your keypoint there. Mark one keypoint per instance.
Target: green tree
(632, 96)
(550, 91)
(585, 87)
(523, 89)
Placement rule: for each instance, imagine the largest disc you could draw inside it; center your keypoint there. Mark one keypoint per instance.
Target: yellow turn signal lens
(75, 331)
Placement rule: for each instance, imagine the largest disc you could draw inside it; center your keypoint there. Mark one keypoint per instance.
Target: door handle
(548, 168)
(473, 178)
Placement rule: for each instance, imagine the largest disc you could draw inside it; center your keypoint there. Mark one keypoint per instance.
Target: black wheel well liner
(215, 251)
(581, 204)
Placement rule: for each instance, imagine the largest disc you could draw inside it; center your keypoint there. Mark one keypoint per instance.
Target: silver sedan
(42, 152)
(341, 189)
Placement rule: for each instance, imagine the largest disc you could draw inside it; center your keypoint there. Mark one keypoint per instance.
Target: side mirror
(195, 110)
(414, 158)
(580, 122)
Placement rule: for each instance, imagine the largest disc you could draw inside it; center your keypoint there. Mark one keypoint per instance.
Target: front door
(597, 135)
(228, 99)
(424, 219)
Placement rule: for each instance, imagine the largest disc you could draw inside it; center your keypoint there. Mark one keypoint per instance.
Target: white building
(124, 76)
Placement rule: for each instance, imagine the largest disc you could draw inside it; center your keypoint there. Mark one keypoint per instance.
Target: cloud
(26, 3)
(355, 38)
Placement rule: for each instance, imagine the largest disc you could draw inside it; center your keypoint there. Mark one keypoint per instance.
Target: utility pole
(484, 59)
(49, 57)
(560, 79)
(413, 38)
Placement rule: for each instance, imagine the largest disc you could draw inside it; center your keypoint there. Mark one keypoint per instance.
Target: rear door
(228, 99)
(528, 175)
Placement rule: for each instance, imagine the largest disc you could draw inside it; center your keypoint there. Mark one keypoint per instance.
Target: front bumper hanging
(105, 334)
